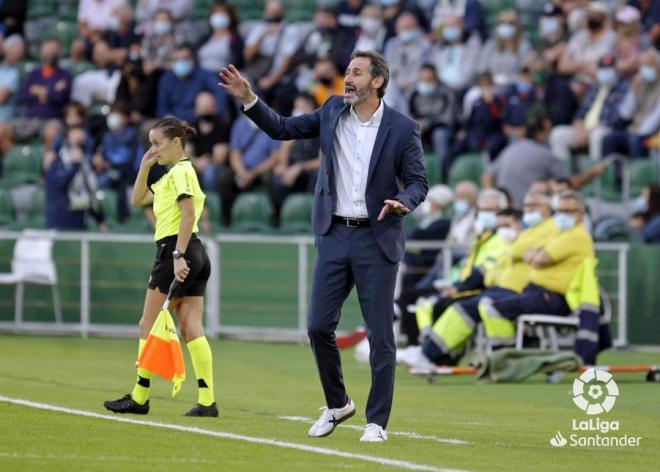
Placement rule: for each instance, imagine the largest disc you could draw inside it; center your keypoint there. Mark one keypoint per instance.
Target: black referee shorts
(198, 261)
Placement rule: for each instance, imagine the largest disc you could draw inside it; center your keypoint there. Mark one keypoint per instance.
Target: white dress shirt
(354, 143)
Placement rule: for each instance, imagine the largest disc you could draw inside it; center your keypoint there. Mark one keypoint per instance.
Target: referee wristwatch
(176, 254)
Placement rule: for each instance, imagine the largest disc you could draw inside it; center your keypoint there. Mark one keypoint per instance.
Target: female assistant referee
(177, 203)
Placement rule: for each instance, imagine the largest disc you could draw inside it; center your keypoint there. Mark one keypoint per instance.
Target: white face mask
(219, 21)
(507, 234)
(370, 24)
(114, 121)
(564, 221)
(505, 31)
(532, 218)
(461, 207)
(485, 220)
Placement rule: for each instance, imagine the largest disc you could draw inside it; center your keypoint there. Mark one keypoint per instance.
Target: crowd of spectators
(529, 89)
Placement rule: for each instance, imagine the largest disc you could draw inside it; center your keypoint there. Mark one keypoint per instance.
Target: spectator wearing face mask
(521, 100)
(405, 55)
(115, 161)
(159, 42)
(371, 32)
(505, 54)
(209, 148)
(629, 40)
(646, 214)
(455, 56)
(587, 47)
(433, 225)
(465, 212)
(14, 51)
(224, 46)
(326, 81)
(179, 87)
(70, 185)
(122, 36)
(598, 114)
(394, 9)
(640, 108)
(471, 13)
(433, 105)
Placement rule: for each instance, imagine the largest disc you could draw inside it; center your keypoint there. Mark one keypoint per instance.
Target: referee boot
(126, 404)
(201, 410)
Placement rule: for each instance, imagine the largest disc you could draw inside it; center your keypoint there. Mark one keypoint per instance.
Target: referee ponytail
(175, 128)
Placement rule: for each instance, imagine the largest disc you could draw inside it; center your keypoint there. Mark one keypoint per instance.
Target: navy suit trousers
(347, 257)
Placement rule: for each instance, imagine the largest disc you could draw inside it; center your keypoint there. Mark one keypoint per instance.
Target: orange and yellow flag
(162, 353)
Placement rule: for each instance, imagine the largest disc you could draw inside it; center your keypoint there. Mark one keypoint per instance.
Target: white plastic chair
(545, 326)
(32, 263)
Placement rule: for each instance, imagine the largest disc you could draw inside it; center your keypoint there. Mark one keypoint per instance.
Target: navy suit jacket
(396, 169)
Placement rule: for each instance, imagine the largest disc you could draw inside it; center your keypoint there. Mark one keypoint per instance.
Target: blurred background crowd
(507, 93)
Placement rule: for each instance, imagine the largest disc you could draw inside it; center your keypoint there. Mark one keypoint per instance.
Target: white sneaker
(405, 353)
(330, 418)
(415, 359)
(373, 433)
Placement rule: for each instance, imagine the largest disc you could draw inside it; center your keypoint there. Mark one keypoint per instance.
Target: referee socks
(141, 390)
(202, 360)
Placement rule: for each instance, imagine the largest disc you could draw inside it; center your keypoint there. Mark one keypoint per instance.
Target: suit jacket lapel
(381, 137)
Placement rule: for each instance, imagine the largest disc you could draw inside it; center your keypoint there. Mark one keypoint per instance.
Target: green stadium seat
(68, 10)
(213, 205)
(250, 9)
(36, 214)
(643, 172)
(6, 208)
(433, 169)
(202, 8)
(252, 213)
(24, 69)
(41, 8)
(79, 67)
(22, 165)
(66, 32)
(296, 215)
(108, 202)
(300, 10)
(466, 167)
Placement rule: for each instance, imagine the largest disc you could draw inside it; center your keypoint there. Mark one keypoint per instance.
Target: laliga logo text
(594, 392)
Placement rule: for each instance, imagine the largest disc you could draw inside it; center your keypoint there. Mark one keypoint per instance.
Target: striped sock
(202, 360)
(141, 390)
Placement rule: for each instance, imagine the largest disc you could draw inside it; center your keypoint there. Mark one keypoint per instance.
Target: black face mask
(594, 24)
(206, 118)
(50, 60)
(275, 19)
(327, 81)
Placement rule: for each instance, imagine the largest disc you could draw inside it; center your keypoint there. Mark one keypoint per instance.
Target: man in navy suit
(372, 174)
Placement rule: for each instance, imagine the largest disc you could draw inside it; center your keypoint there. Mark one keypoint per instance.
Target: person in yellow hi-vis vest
(178, 202)
(553, 269)
(509, 276)
(482, 255)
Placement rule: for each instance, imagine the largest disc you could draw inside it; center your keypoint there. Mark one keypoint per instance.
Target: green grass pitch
(500, 427)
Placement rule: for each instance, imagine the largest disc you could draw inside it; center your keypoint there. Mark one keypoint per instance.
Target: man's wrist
(249, 100)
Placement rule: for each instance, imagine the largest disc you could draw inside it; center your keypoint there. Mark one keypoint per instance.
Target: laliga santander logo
(595, 392)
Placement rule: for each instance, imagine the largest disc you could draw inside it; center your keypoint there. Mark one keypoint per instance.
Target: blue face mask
(564, 221)
(639, 205)
(408, 35)
(113, 23)
(532, 218)
(524, 87)
(461, 207)
(606, 75)
(487, 219)
(425, 88)
(648, 73)
(451, 33)
(505, 31)
(219, 21)
(182, 68)
(162, 27)
(549, 26)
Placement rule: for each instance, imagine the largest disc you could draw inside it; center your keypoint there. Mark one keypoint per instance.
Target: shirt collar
(375, 118)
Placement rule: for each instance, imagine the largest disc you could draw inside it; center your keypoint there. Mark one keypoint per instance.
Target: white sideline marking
(306, 419)
(238, 437)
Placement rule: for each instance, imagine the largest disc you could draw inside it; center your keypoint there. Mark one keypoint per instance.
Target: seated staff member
(178, 202)
(553, 268)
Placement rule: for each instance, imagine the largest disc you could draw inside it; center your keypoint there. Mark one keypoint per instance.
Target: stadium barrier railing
(259, 287)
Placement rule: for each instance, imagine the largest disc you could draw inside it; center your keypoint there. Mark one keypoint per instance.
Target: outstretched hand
(393, 206)
(235, 84)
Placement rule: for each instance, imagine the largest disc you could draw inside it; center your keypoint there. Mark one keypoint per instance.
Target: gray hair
(545, 200)
(495, 194)
(573, 195)
(378, 67)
